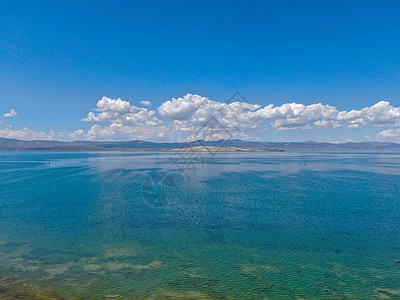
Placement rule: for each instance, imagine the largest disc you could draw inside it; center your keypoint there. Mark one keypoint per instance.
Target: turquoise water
(232, 226)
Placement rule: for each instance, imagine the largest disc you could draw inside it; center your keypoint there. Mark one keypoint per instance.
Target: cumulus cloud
(118, 131)
(77, 134)
(389, 134)
(190, 116)
(192, 110)
(120, 120)
(25, 134)
(183, 108)
(195, 110)
(119, 111)
(295, 115)
(380, 114)
(145, 103)
(12, 113)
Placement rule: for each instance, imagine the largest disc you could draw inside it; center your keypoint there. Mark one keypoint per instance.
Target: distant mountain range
(137, 145)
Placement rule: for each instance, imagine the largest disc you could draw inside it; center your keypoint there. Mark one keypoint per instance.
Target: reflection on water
(247, 226)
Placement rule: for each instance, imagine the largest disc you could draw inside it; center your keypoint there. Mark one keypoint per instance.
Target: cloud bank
(25, 134)
(124, 121)
(184, 118)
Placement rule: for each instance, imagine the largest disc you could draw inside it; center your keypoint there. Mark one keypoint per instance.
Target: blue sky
(59, 58)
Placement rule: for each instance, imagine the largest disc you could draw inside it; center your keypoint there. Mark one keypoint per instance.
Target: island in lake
(212, 149)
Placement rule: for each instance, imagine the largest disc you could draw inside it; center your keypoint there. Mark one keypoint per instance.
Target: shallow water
(222, 226)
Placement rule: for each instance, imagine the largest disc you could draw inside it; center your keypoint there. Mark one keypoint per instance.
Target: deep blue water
(224, 226)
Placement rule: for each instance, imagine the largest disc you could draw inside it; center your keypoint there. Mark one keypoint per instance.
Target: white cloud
(125, 121)
(193, 110)
(78, 134)
(295, 115)
(25, 134)
(118, 131)
(196, 110)
(389, 133)
(190, 116)
(12, 113)
(117, 105)
(182, 108)
(380, 114)
(119, 111)
(145, 103)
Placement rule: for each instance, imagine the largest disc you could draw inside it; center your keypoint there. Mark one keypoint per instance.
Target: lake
(118, 225)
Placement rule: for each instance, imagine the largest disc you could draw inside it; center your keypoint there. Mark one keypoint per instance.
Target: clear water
(234, 226)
